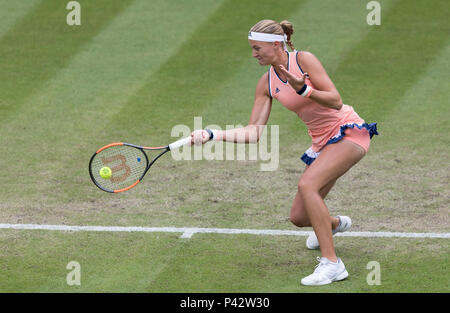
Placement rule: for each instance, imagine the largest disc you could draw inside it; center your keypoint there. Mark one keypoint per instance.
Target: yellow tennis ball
(105, 172)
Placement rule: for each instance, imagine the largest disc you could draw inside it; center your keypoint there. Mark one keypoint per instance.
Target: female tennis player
(340, 138)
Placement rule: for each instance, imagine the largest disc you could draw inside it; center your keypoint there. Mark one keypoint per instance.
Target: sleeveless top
(323, 123)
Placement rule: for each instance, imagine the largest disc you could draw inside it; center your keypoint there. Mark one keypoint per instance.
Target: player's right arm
(258, 119)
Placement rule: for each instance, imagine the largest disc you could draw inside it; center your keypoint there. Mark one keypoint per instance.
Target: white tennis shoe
(326, 272)
(345, 223)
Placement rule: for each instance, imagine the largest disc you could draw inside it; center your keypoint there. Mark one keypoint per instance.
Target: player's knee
(304, 185)
(297, 220)
(294, 220)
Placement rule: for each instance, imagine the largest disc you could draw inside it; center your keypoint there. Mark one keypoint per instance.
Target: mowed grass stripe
(74, 106)
(277, 264)
(420, 120)
(331, 29)
(100, 271)
(393, 56)
(415, 146)
(35, 49)
(406, 170)
(141, 262)
(13, 11)
(192, 78)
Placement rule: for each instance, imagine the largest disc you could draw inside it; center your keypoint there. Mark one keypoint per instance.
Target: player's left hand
(295, 81)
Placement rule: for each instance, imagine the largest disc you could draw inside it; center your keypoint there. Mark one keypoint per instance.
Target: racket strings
(127, 164)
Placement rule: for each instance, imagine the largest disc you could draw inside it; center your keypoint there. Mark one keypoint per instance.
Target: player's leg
(333, 161)
(298, 215)
(340, 223)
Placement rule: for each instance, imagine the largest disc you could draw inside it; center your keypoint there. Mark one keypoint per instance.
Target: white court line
(188, 232)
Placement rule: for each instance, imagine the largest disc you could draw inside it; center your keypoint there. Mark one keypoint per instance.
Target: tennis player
(340, 138)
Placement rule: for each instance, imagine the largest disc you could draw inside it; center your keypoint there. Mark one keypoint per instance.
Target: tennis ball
(105, 172)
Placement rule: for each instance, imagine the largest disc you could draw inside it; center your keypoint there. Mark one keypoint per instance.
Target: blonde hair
(272, 27)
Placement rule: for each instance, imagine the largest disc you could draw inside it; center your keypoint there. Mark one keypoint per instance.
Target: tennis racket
(128, 163)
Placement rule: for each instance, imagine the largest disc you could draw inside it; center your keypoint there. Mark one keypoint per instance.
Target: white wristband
(307, 90)
(214, 132)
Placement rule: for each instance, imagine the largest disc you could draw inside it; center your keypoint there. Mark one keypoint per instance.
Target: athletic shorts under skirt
(360, 134)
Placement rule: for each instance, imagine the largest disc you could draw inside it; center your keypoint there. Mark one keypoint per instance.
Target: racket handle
(180, 143)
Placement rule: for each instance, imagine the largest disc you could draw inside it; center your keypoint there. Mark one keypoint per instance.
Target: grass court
(134, 69)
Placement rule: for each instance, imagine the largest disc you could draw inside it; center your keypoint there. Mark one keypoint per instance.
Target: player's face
(264, 52)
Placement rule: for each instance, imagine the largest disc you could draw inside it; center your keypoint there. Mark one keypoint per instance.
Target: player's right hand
(199, 137)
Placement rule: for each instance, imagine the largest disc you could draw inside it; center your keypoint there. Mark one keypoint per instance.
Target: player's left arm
(324, 92)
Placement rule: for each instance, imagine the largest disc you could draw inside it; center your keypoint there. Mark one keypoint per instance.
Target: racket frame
(149, 164)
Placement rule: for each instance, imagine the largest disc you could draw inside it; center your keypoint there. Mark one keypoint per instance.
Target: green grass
(149, 263)
(135, 69)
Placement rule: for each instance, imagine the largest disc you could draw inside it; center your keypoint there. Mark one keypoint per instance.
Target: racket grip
(180, 143)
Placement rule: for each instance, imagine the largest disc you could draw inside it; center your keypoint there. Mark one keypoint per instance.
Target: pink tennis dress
(325, 125)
